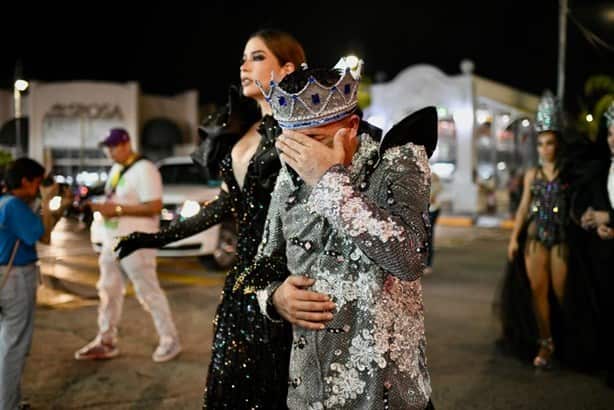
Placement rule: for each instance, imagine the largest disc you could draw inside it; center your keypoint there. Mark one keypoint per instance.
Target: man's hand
(68, 197)
(51, 210)
(48, 192)
(309, 157)
(605, 232)
(106, 209)
(592, 219)
(301, 307)
(512, 249)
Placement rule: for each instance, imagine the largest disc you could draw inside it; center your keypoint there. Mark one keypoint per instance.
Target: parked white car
(184, 189)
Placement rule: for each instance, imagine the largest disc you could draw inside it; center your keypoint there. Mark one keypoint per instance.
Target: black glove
(136, 241)
(210, 214)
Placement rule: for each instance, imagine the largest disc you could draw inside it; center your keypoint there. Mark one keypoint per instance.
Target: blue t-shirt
(17, 220)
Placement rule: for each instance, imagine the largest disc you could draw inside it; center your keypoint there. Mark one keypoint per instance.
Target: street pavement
(467, 370)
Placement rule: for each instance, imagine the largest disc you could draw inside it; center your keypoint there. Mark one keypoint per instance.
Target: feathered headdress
(549, 115)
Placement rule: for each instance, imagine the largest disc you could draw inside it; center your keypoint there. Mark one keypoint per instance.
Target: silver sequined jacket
(361, 234)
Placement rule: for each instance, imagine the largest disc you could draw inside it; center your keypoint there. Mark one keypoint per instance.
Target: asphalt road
(467, 371)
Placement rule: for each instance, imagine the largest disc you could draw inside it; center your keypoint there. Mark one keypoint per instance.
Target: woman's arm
(210, 214)
(521, 212)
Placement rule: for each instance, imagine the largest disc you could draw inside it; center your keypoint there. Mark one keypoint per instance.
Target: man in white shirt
(134, 201)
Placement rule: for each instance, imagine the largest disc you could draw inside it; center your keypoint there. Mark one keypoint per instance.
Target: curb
(483, 221)
(63, 285)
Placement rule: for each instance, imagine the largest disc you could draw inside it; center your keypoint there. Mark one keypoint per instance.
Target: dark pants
(603, 260)
(433, 219)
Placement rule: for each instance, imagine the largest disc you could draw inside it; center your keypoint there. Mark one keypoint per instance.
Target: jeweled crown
(609, 115)
(316, 104)
(549, 115)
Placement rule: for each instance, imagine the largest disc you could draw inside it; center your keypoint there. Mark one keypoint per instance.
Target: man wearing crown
(349, 219)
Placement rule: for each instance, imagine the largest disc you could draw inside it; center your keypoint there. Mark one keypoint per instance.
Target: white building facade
(484, 131)
(67, 120)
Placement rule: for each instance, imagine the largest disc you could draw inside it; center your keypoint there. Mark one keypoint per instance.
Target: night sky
(173, 47)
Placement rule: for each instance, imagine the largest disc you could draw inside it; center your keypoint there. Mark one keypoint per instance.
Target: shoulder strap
(539, 173)
(9, 267)
(124, 170)
(127, 167)
(4, 199)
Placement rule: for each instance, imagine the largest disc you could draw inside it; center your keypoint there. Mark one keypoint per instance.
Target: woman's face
(257, 64)
(546, 146)
(611, 138)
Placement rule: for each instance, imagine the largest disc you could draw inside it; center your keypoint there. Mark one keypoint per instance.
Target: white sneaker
(168, 349)
(96, 350)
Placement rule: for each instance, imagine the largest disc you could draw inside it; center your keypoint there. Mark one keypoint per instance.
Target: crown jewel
(549, 116)
(316, 104)
(609, 115)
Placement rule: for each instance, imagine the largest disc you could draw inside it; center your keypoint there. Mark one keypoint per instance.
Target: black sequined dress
(249, 355)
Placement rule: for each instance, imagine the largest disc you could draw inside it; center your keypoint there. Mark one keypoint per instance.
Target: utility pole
(19, 86)
(560, 89)
(17, 109)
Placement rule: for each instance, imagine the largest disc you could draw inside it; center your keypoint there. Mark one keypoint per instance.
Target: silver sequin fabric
(361, 233)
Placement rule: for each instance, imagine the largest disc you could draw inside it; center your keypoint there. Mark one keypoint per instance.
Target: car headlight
(189, 209)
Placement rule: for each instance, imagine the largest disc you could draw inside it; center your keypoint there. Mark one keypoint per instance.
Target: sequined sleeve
(210, 214)
(391, 231)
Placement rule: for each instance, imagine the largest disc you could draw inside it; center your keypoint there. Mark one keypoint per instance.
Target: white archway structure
(457, 98)
(422, 85)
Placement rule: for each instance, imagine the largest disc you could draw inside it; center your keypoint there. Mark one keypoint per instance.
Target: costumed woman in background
(250, 355)
(537, 249)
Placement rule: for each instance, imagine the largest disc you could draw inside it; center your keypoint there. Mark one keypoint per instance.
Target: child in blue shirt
(20, 228)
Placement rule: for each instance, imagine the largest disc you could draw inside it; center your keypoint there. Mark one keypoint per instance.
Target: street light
(19, 86)
(560, 88)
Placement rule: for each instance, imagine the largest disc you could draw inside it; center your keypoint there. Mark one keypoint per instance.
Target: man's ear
(353, 124)
(24, 182)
